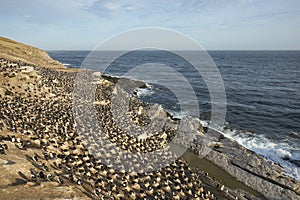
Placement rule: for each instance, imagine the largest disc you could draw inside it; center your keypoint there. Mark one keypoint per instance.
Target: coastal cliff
(41, 157)
(15, 51)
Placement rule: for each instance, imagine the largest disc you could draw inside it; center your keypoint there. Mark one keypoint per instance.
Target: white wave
(148, 85)
(277, 152)
(177, 115)
(142, 92)
(204, 123)
(66, 64)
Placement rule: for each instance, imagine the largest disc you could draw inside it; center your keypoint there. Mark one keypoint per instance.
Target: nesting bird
(46, 121)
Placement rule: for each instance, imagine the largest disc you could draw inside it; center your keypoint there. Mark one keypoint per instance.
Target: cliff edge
(16, 51)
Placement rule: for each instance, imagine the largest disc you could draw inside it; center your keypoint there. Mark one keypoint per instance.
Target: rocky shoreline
(40, 149)
(253, 170)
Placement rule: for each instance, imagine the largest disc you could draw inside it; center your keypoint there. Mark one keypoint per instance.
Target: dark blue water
(262, 88)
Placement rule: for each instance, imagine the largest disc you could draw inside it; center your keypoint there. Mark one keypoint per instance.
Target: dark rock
(296, 162)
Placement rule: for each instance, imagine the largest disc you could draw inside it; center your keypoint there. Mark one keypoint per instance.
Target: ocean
(262, 89)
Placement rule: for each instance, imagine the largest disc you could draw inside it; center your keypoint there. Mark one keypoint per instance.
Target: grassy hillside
(12, 50)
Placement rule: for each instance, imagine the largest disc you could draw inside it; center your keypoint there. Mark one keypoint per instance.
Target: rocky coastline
(43, 157)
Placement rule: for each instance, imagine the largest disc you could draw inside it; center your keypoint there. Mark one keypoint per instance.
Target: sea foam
(281, 153)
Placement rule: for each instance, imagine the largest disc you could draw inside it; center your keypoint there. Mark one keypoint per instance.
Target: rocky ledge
(246, 166)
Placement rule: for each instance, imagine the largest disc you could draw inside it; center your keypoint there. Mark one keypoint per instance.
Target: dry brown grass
(15, 51)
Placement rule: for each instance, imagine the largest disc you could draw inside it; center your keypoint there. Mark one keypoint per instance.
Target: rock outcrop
(253, 170)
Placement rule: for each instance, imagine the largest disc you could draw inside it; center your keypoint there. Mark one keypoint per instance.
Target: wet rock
(254, 171)
(296, 162)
